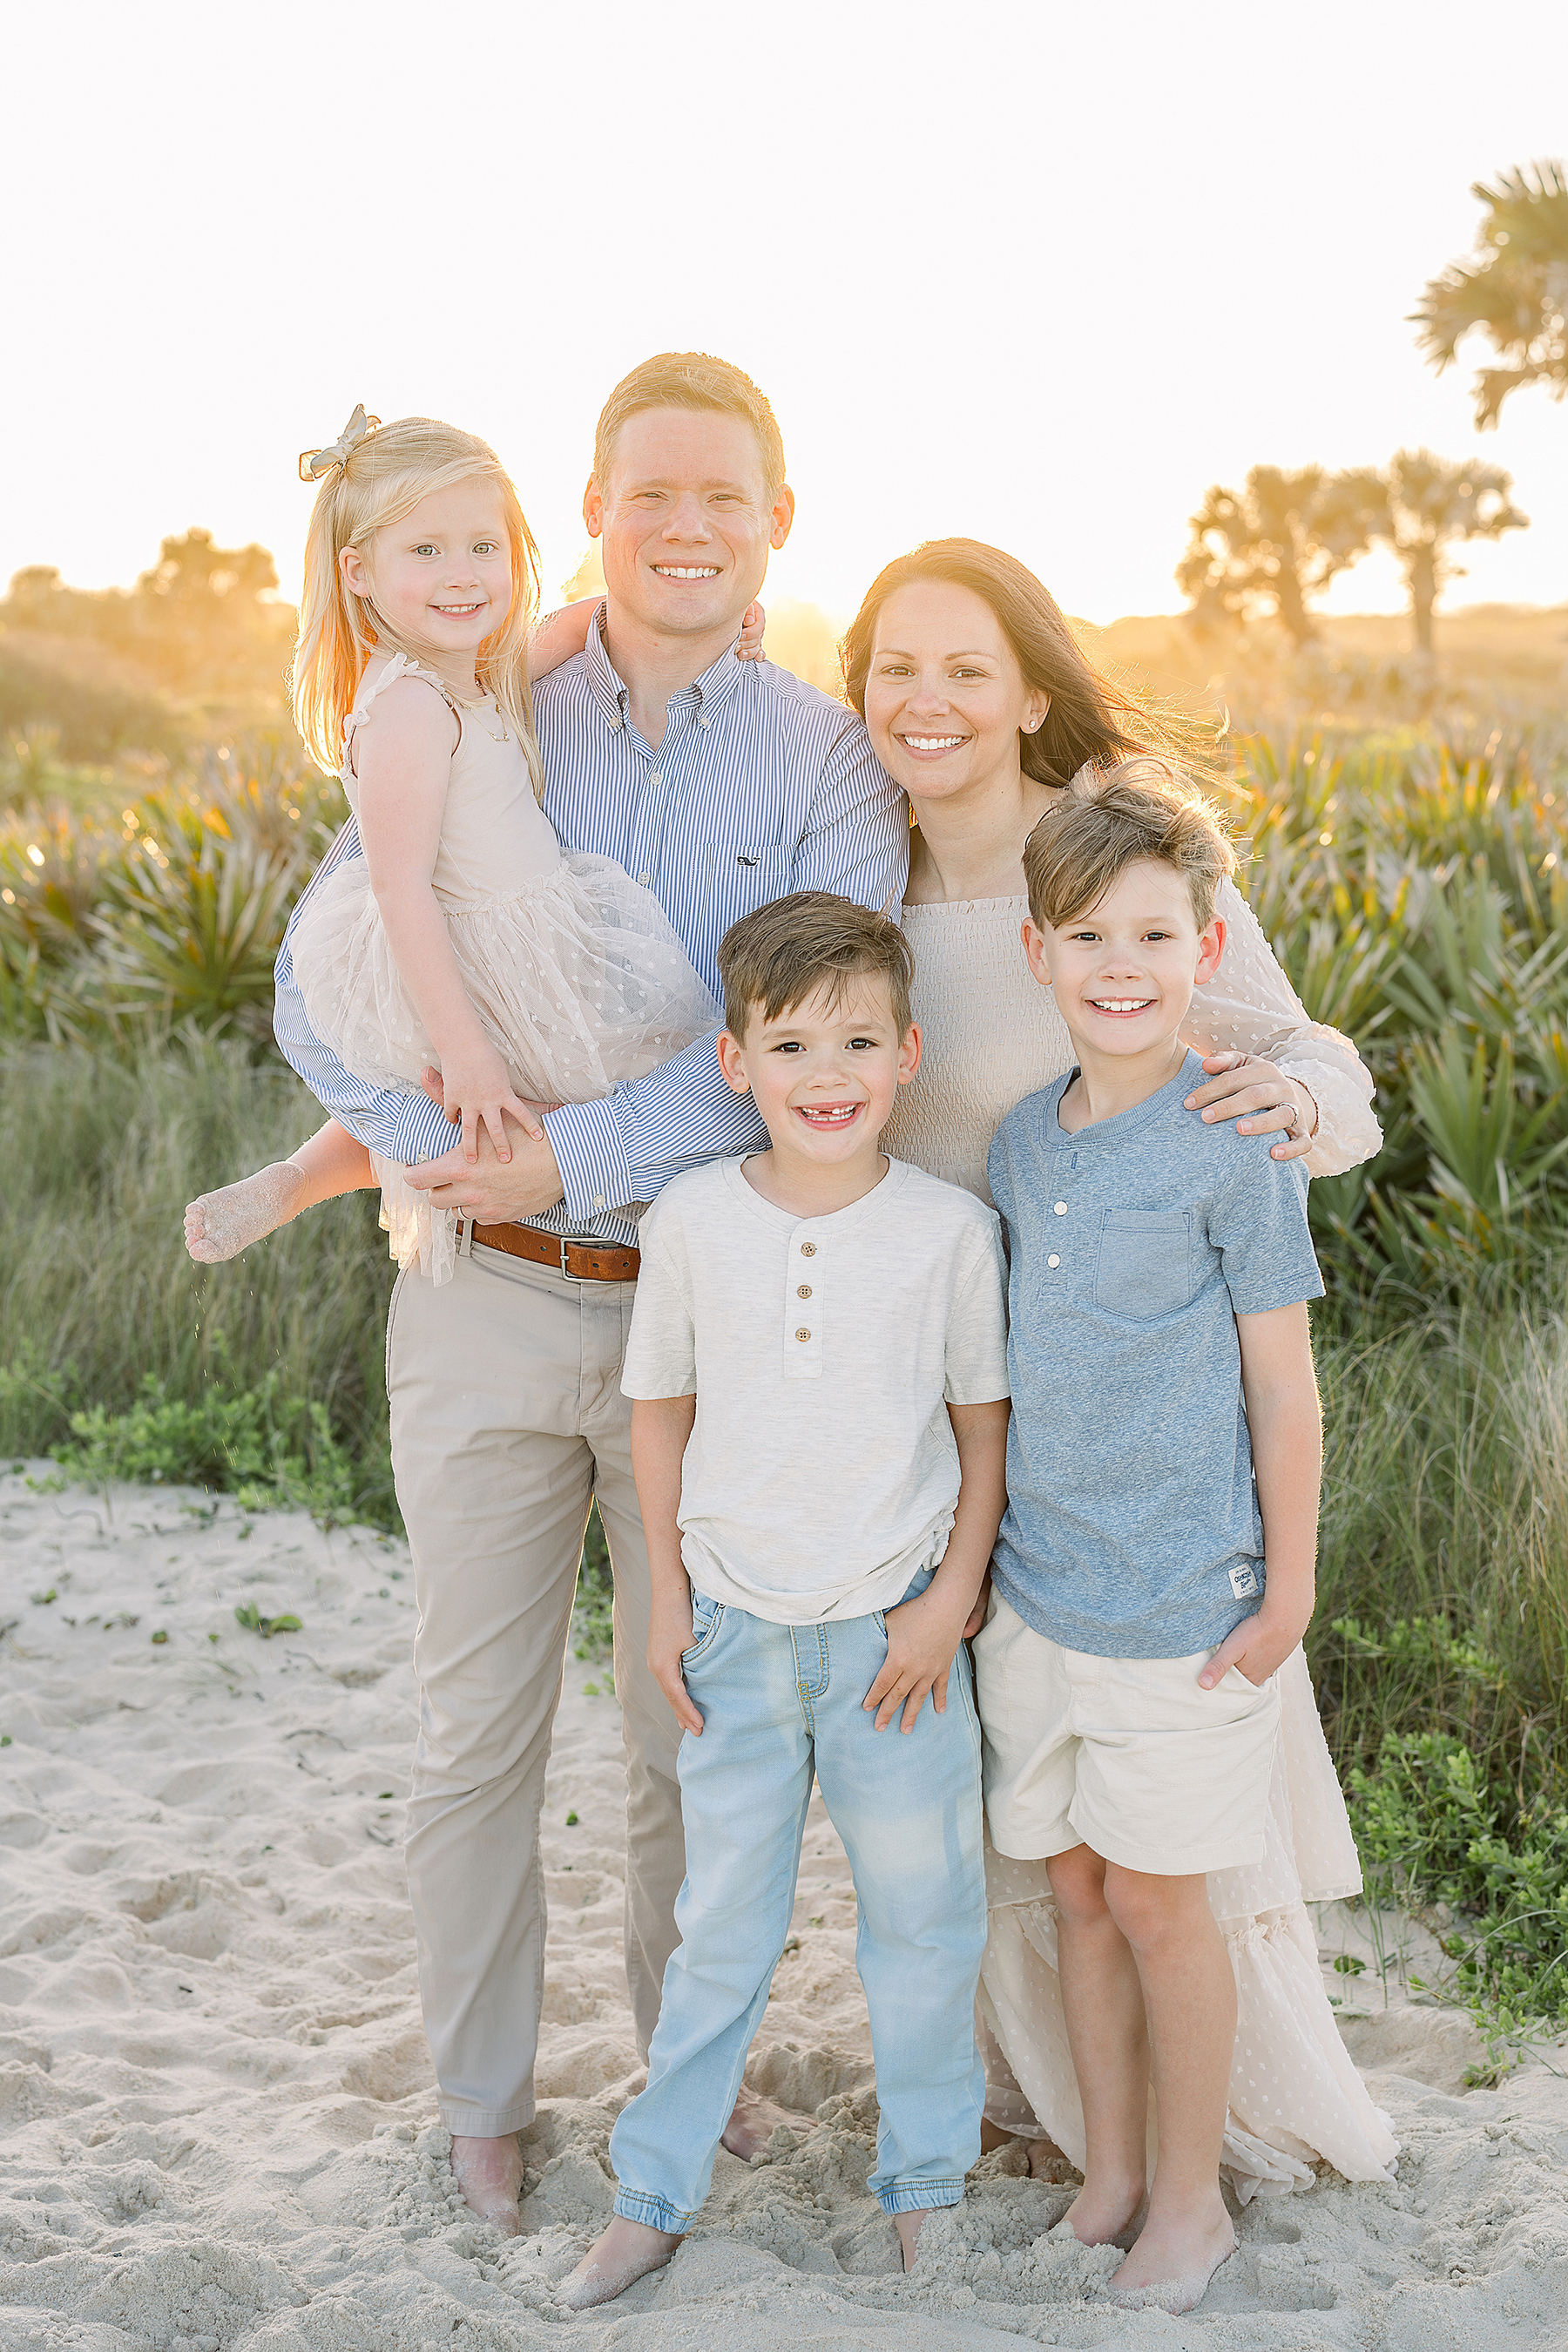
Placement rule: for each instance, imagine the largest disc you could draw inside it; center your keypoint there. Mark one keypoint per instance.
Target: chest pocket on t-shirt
(1145, 1267)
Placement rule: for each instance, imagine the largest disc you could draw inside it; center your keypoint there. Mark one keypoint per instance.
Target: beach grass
(276, 1359)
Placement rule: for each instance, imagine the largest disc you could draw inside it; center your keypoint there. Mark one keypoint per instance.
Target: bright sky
(1035, 273)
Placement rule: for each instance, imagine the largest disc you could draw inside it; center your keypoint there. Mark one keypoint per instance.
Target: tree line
(1274, 546)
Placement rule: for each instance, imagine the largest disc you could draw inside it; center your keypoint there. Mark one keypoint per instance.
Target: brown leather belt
(579, 1261)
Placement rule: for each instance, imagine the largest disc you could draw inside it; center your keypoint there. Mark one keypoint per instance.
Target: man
(719, 785)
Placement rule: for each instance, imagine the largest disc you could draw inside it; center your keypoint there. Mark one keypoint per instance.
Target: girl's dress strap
(400, 666)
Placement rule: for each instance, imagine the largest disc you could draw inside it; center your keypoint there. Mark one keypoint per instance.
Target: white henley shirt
(822, 1473)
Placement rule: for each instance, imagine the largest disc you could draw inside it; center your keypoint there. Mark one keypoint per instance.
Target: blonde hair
(382, 479)
(780, 954)
(691, 380)
(1108, 819)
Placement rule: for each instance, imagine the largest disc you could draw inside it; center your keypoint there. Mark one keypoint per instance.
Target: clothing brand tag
(1244, 1582)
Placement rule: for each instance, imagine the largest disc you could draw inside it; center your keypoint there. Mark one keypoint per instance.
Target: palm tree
(1515, 289)
(1278, 543)
(1431, 505)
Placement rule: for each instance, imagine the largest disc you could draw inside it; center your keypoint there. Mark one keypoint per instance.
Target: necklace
(478, 710)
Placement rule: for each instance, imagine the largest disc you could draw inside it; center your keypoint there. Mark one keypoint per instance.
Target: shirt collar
(707, 695)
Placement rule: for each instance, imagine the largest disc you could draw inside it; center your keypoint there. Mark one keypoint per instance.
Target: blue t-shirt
(1133, 1528)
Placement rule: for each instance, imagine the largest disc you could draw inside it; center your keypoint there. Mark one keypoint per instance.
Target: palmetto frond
(1515, 289)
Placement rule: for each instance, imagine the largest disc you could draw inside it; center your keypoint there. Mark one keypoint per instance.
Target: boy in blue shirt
(1155, 1565)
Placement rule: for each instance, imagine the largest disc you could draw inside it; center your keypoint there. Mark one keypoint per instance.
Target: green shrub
(1433, 1828)
(105, 1317)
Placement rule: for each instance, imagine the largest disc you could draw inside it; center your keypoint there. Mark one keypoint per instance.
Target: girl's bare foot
(220, 1224)
(1169, 2267)
(489, 2174)
(754, 2122)
(624, 2253)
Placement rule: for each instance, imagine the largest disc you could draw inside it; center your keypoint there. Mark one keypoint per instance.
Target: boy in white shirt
(818, 1364)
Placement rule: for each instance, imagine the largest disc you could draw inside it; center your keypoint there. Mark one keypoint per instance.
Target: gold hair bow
(314, 462)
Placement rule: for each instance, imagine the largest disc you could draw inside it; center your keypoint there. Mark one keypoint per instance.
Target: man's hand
(1260, 1098)
(669, 1636)
(923, 1635)
(1260, 1645)
(493, 1191)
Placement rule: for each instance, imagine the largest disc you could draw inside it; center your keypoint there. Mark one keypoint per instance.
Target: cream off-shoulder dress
(992, 1035)
(572, 968)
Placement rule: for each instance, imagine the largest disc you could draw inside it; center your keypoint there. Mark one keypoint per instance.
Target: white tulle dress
(572, 968)
(992, 1036)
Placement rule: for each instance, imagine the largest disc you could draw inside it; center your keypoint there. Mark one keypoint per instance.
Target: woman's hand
(1260, 1098)
(750, 647)
(475, 1089)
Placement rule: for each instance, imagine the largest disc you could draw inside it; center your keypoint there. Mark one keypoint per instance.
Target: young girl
(463, 940)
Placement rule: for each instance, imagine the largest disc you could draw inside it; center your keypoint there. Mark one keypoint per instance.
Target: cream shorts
(1125, 1755)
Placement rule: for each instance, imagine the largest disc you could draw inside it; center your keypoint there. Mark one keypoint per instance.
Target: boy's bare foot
(625, 2251)
(220, 1224)
(754, 2122)
(1169, 2267)
(489, 2174)
(909, 2227)
(1105, 2209)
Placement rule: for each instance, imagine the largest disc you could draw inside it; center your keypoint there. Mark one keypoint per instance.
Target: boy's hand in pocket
(923, 1636)
(1259, 1647)
(668, 1636)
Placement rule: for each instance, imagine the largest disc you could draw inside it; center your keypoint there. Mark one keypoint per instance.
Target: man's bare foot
(1104, 2210)
(627, 2251)
(489, 2174)
(220, 1224)
(909, 2227)
(754, 2122)
(1169, 2267)
(1042, 2153)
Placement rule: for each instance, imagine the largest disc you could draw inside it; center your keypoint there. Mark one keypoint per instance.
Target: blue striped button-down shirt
(762, 785)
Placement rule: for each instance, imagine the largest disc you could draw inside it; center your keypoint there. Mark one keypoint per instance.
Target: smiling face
(945, 698)
(685, 522)
(1124, 972)
(825, 1072)
(442, 578)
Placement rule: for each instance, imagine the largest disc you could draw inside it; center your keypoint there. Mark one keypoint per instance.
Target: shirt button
(702, 720)
(1060, 1207)
(1053, 1261)
(598, 1200)
(808, 1249)
(804, 1290)
(654, 777)
(644, 879)
(802, 1334)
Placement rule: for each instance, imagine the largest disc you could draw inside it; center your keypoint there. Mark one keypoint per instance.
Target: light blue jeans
(778, 1703)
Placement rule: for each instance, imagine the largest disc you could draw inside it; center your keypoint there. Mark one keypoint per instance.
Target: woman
(979, 703)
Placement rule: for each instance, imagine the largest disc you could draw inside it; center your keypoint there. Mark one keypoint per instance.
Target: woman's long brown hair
(1089, 719)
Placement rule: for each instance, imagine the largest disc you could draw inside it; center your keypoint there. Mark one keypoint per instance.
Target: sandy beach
(217, 2122)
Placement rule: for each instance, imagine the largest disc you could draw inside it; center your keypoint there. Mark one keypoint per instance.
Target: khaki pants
(507, 1421)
